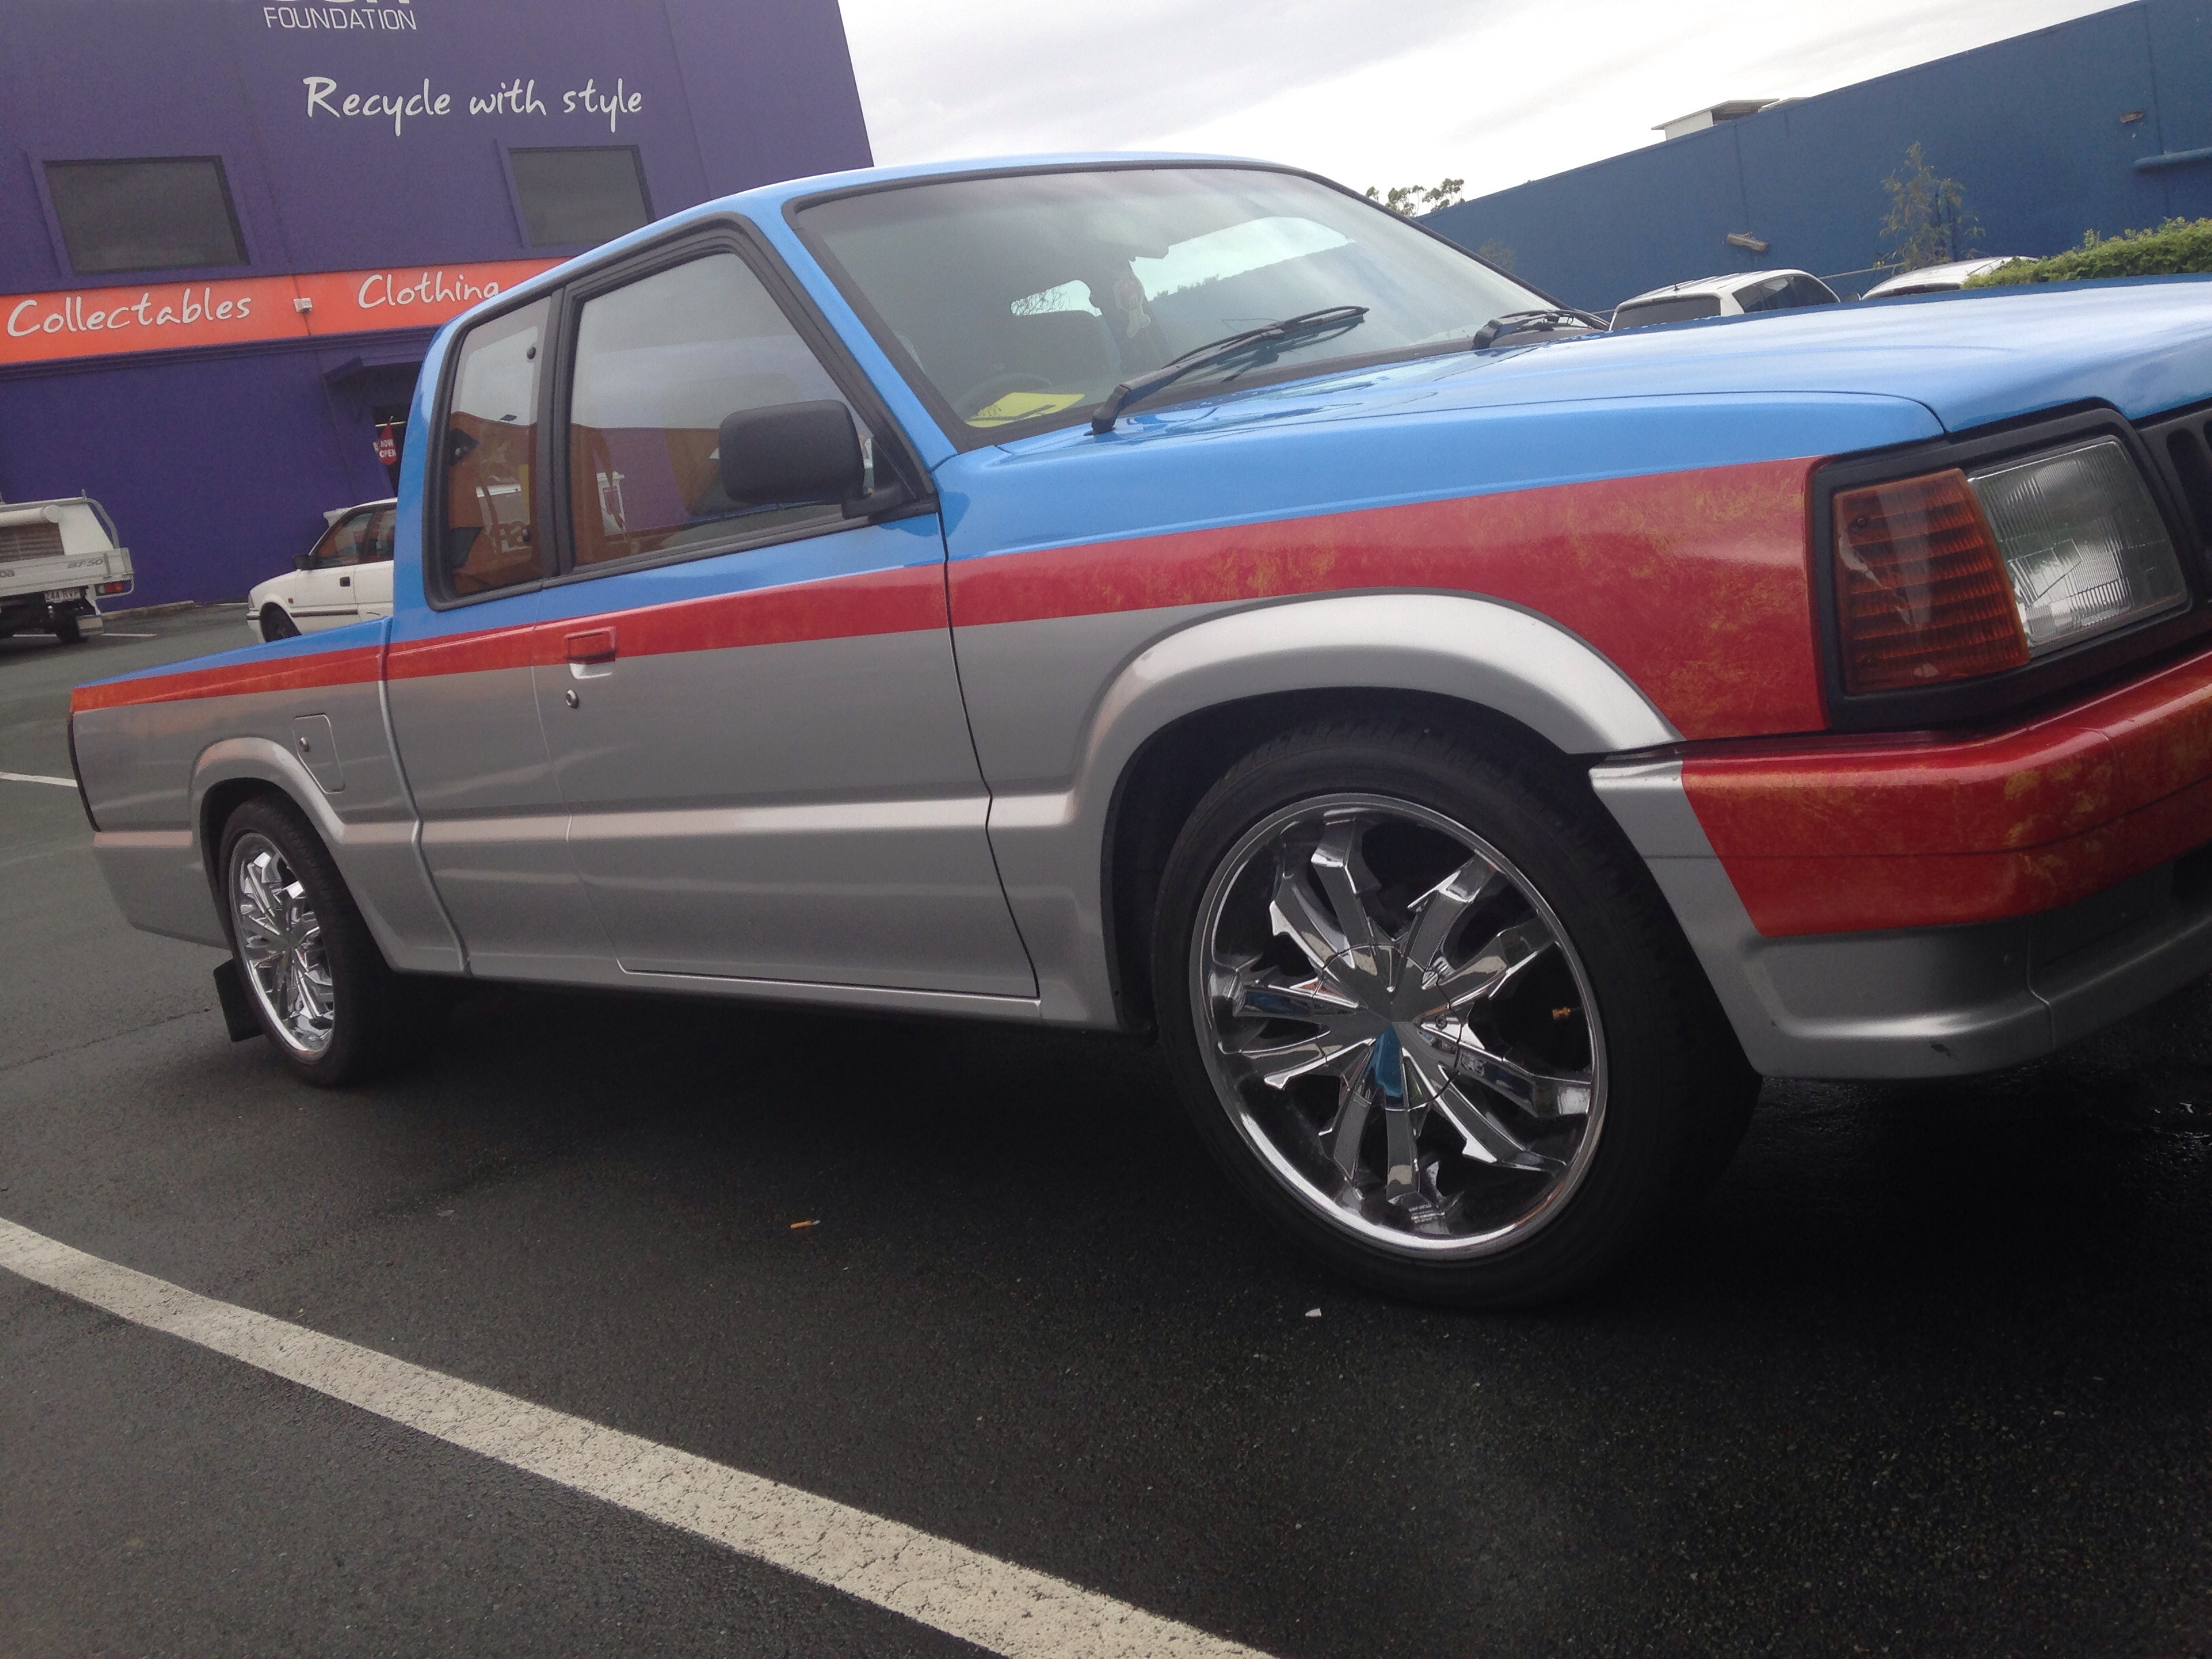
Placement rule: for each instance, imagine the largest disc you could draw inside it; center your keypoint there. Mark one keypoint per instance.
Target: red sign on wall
(387, 447)
(98, 322)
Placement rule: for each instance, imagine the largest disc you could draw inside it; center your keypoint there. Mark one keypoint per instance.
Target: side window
(1772, 294)
(343, 542)
(659, 365)
(376, 546)
(490, 538)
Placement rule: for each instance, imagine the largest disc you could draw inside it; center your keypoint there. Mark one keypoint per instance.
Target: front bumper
(1924, 908)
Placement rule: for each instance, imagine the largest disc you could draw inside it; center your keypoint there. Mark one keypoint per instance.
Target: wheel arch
(234, 770)
(1186, 707)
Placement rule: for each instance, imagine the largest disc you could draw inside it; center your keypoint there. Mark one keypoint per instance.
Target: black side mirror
(303, 561)
(791, 454)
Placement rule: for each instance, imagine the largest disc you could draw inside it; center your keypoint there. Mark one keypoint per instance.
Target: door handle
(591, 651)
(593, 645)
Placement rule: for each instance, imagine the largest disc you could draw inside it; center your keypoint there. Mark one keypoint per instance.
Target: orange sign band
(100, 322)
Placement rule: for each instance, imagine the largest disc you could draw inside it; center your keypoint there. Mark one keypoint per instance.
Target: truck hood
(1969, 358)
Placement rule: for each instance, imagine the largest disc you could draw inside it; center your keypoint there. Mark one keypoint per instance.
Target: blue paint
(864, 549)
(2030, 126)
(351, 637)
(1723, 392)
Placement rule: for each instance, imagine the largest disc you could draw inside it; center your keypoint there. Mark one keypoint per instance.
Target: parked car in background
(345, 576)
(1935, 279)
(1724, 296)
(1158, 596)
(59, 559)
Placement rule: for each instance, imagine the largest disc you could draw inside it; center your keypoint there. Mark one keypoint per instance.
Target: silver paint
(800, 810)
(1048, 837)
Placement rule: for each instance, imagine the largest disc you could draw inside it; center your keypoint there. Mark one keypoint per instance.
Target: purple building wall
(218, 465)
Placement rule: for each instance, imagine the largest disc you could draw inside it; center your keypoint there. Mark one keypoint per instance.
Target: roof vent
(1734, 110)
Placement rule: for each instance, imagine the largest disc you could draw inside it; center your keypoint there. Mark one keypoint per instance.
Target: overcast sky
(1374, 92)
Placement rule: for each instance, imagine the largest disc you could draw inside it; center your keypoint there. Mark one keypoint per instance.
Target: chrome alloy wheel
(280, 942)
(1397, 1024)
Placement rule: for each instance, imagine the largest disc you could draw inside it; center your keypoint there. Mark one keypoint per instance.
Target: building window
(573, 197)
(167, 213)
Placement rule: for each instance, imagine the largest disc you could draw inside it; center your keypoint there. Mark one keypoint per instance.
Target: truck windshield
(1021, 301)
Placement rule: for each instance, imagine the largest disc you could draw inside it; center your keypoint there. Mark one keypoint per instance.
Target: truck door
(457, 674)
(752, 711)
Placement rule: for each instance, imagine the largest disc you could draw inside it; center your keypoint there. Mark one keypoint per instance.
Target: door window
(490, 538)
(659, 365)
(344, 542)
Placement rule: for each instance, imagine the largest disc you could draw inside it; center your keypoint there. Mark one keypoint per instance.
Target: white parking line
(994, 1604)
(117, 633)
(33, 777)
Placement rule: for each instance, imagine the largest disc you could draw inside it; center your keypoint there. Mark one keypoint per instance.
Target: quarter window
(168, 213)
(491, 538)
(659, 365)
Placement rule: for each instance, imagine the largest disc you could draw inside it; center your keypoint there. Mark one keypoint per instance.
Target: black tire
(68, 630)
(1667, 1092)
(277, 624)
(375, 1017)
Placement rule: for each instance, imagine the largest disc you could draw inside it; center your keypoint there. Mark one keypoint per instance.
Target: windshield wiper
(1514, 321)
(1262, 341)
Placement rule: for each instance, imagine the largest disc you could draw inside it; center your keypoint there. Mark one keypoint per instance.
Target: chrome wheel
(1398, 1024)
(280, 945)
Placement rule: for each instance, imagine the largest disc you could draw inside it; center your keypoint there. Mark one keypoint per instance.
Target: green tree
(1407, 200)
(2178, 247)
(1928, 223)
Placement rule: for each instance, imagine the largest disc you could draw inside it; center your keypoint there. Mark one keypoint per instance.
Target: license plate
(54, 595)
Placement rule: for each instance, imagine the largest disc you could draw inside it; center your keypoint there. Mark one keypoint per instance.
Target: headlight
(1949, 576)
(2084, 547)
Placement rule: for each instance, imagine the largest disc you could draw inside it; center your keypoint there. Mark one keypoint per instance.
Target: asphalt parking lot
(1929, 1371)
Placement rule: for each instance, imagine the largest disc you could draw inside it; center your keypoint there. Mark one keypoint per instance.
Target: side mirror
(303, 561)
(791, 455)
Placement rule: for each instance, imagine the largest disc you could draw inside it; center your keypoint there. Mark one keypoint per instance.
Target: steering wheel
(980, 396)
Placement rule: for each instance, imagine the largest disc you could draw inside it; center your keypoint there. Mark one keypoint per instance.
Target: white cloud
(1369, 92)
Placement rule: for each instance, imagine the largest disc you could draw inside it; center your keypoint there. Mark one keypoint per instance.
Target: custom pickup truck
(59, 559)
(1177, 596)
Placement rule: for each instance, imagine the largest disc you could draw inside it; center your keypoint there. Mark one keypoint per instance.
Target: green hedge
(2179, 245)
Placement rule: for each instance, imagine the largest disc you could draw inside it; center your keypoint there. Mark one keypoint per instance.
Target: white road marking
(117, 633)
(994, 1604)
(33, 777)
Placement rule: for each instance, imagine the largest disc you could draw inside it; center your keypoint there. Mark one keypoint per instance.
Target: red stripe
(459, 653)
(351, 666)
(900, 601)
(1856, 836)
(1697, 585)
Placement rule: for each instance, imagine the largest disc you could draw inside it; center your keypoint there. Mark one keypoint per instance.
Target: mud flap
(238, 1016)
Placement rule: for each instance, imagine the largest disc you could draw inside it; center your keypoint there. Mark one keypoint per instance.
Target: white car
(1724, 296)
(1935, 279)
(345, 577)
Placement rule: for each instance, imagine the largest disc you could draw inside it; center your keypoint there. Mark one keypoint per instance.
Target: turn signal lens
(1920, 590)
